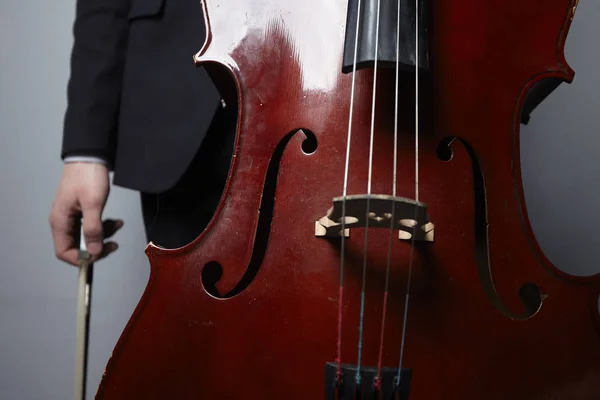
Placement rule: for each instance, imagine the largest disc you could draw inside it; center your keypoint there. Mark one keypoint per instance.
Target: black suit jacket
(135, 97)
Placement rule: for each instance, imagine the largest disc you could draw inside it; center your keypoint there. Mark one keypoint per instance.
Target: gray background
(38, 294)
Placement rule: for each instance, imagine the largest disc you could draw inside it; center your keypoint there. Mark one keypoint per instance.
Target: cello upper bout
(542, 86)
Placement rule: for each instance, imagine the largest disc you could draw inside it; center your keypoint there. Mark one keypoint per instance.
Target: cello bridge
(410, 216)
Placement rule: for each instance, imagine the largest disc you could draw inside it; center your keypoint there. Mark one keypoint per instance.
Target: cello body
(249, 310)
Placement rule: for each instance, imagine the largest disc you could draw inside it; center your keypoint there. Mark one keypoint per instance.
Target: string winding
(393, 213)
(344, 195)
(369, 185)
(412, 245)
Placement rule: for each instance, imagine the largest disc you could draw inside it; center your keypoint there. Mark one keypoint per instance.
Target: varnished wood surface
(271, 340)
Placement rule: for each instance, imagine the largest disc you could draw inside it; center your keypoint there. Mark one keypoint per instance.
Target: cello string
(393, 213)
(344, 194)
(369, 184)
(412, 246)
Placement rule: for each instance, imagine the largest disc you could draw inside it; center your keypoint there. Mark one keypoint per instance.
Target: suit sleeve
(97, 60)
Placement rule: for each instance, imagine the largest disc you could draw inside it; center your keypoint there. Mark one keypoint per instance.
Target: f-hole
(213, 270)
(530, 294)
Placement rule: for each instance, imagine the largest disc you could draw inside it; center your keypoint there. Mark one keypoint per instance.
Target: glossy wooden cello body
(250, 310)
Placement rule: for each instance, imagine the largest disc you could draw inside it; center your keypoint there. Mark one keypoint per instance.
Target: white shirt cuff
(91, 159)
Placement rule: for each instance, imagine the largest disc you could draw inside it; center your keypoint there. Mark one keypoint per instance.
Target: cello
(372, 240)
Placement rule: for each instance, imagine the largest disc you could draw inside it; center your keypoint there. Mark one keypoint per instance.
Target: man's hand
(82, 193)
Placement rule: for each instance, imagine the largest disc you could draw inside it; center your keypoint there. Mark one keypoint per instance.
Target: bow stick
(84, 298)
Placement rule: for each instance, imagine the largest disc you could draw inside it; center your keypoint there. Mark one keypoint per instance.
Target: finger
(70, 256)
(111, 226)
(62, 225)
(109, 247)
(93, 232)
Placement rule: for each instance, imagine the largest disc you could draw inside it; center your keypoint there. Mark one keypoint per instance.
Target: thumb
(92, 230)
